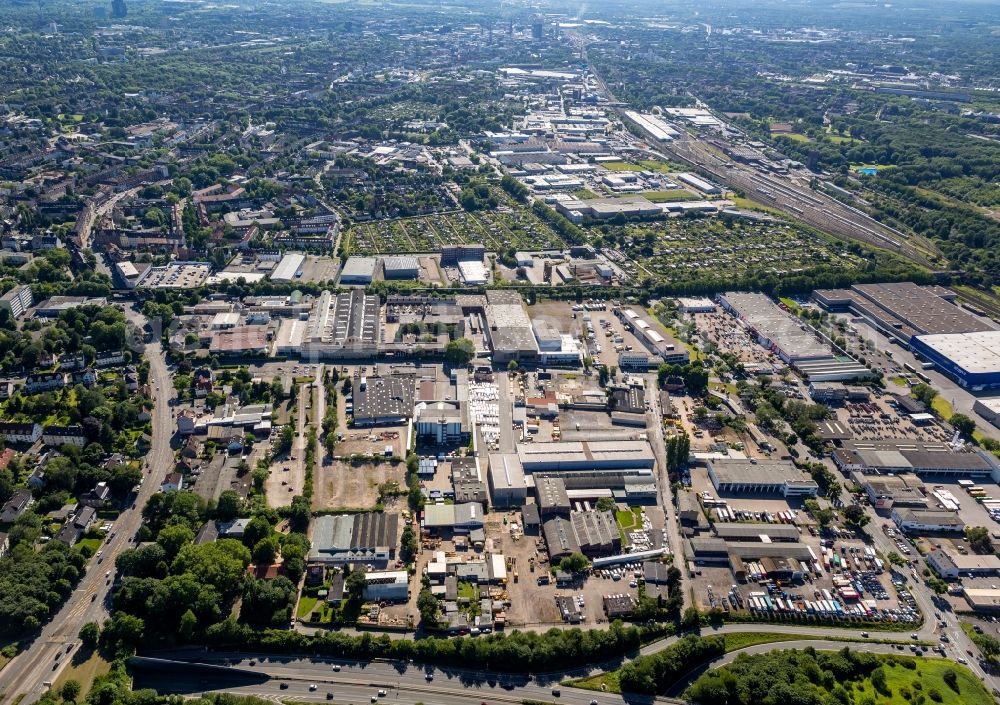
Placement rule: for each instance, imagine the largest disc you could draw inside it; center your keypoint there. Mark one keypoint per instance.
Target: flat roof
(977, 352)
(384, 397)
(777, 326)
(359, 268)
(762, 472)
(287, 267)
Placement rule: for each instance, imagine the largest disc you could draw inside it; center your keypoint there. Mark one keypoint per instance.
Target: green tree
(574, 563)
(70, 690)
(428, 607)
(459, 352)
(89, 634)
(265, 551)
(923, 393)
(229, 506)
(188, 625)
(979, 539)
(963, 424)
(408, 544)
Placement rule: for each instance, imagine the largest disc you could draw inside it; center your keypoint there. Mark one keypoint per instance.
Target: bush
(935, 695)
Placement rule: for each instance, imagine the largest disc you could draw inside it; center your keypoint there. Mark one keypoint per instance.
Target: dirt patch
(341, 485)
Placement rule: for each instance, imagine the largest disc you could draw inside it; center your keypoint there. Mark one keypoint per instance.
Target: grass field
(942, 407)
(794, 137)
(752, 205)
(84, 672)
(306, 605)
(666, 196)
(629, 520)
(929, 676)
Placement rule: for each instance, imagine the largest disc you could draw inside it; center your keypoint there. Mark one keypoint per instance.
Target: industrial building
(592, 533)
(951, 566)
(731, 476)
(888, 491)
(556, 348)
(401, 267)
(387, 586)
(698, 305)
(509, 330)
(657, 341)
(362, 538)
(573, 456)
(345, 325)
(383, 400)
(358, 270)
(442, 422)
(989, 409)
(17, 300)
(451, 255)
(699, 183)
(507, 482)
(927, 520)
(775, 329)
(894, 455)
(473, 273)
(903, 310)
(602, 209)
(289, 268)
(986, 600)
(458, 518)
(972, 359)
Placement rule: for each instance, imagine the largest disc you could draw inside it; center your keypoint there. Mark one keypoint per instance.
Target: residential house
(109, 358)
(186, 421)
(87, 377)
(36, 480)
(20, 432)
(44, 382)
(145, 413)
(131, 381)
(72, 361)
(6, 390)
(85, 518)
(16, 506)
(173, 481)
(98, 496)
(64, 435)
(192, 448)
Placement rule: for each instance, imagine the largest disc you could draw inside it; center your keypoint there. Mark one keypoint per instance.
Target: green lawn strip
(735, 641)
(84, 672)
(929, 673)
(665, 196)
(307, 603)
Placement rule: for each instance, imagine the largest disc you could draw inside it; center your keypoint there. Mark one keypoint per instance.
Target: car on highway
(864, 634)
(556, 692)
(336, 666)
(329, 695)
(429, 677)
(283, 686)
(382, 693)
(312, 686)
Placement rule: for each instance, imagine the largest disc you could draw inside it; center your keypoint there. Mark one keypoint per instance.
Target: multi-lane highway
(30, 671)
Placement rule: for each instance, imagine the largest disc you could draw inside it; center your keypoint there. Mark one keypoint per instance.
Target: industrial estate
(387, 353)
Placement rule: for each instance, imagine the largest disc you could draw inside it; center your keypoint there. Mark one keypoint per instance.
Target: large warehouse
(973, 359)
(760, 477)
(902, 310)
(358, 270)
(902, 455)
(989, 409)
(775, 329)
(401, 267)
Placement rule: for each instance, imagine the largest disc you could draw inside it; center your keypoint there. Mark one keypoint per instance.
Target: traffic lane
(353, 684)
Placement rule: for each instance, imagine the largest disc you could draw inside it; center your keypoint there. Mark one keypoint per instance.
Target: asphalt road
(354, 682)
(29, 672)
(360, 682)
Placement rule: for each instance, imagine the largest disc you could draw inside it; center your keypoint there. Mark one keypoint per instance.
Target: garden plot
(681, 246)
